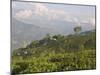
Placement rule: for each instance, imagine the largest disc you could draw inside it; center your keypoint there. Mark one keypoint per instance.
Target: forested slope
(56, 53)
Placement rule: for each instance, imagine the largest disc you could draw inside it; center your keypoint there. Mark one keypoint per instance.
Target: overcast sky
(47, 12)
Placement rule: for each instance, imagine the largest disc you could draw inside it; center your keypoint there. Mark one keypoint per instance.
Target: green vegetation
(56, 53)
(77, 29)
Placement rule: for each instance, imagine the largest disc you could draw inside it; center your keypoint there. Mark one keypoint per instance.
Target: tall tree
(77, 29)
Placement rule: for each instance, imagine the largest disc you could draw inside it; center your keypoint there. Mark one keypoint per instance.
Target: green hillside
(56, 53)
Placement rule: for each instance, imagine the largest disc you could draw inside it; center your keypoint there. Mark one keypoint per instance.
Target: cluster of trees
(56, 53)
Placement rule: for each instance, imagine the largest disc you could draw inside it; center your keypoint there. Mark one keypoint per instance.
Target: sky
(47, 12)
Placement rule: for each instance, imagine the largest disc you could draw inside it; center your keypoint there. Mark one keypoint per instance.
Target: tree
(77, 29)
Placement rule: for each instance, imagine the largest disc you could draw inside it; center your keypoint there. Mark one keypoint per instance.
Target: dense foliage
(56, 53)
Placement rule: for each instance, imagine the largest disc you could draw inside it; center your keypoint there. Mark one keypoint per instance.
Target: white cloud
(58, 14)
(44, 14)
(51, 14)
(24, 14)
(85, 21)
(89, 20)
(40, 9)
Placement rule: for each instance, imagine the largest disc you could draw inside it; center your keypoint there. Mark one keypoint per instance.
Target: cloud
(40, 9)
(24, 14)
(43, 13)
(58, 14)
(89, 20)
(49, 13)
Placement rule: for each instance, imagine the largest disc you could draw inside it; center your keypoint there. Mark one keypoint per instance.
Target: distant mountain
(23, 33)
(87, 32)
